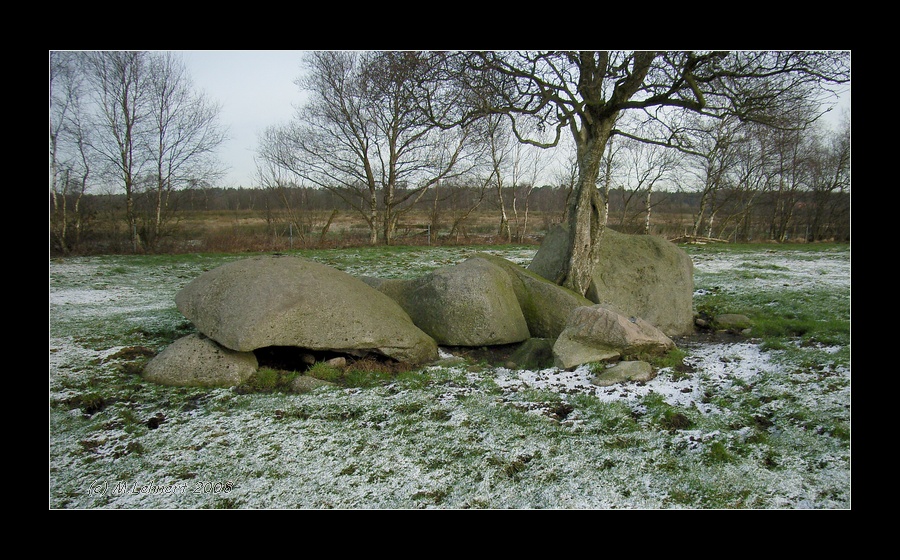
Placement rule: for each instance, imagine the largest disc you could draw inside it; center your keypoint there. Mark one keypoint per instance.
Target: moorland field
(759, 420)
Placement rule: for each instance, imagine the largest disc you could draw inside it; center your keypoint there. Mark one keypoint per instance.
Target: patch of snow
(719, 364)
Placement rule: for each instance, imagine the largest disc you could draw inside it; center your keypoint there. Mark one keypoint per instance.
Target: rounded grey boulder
(546, 306)
(472, 303)
(197, 361)
(278, 300)
(596, 333)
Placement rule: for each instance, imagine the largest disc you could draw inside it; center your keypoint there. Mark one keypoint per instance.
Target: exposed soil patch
(133, 353)
(498, 355)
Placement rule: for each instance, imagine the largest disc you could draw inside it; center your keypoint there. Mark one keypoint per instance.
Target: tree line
(593, 137)
(449, 217)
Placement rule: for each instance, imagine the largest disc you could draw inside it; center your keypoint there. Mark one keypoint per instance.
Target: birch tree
(793, 152)
(713, 148)
(183, 133)
(500, 148)
(151, 131)
(643, 168)
(528, 165)
(753, 175)
(70, 163)
(119, 81)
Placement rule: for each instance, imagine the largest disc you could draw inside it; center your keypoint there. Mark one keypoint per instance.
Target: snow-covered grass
(760, 422)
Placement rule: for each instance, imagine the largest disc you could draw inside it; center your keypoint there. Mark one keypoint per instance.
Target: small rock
(340, 362)
(732, 322)
(625, 371)
(306, 383)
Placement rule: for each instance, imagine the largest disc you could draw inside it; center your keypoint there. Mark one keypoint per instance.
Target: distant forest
(242, 219)
(434, 147)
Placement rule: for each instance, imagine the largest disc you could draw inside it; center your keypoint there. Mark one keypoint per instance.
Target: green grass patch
(268, 380)
(325, 372)
(666, 416)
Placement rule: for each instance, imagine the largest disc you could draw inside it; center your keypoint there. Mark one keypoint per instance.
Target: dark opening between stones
(293, 358)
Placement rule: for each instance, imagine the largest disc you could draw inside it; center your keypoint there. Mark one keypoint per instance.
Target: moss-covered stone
(638, 275)
(545, 305)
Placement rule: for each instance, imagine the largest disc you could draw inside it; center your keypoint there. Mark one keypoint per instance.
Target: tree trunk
(504, 221)
(373, 218)
(132, 218)
(515, 212)
(524, 231)
(327, 226)
(157, 219)
(698, 220)
(648, 207)
(435, 215)
(586, 215)
(78, 221)
(59, 209)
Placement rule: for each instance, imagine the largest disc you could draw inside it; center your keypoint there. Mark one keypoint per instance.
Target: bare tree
(829, 182)
(184, 134)
(793, 152)
(753, 175)
(469, 198)
(280, 183)
(527, 167)
(364, 138)
(151, 132)
(713, 146)
(70, 164)
(643, 168)
(118, 79)
(500, 147)
(585, 92)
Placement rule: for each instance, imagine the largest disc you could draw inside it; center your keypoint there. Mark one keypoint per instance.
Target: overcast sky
(256, 90)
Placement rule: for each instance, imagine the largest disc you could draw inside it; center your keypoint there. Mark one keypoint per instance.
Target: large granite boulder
(478, 286)
(638, 275)
(545, 305)
(472, 303)
(595, 334)
(197, 361)
(278, 300)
